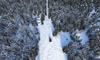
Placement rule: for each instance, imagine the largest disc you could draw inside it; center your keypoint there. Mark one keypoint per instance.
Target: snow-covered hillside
(49, 50)
(49, 29)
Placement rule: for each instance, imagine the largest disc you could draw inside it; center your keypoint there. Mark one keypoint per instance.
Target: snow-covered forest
(49, 29)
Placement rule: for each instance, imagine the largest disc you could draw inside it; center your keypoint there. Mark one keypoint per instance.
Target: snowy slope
(65, 38)
(49, 50)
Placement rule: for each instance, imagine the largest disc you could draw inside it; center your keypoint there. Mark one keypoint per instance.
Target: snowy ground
(49, 50)
(65, 38)
(83, 36)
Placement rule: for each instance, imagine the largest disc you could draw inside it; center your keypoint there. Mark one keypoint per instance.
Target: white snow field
(49, 50)
(65, 38)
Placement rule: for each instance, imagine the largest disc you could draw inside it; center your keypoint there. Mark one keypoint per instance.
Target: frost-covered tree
(75, 15)
(19, 34)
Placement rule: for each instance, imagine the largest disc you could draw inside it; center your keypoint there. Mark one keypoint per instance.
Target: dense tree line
(72, 15)
(19, 34)
(18, 40)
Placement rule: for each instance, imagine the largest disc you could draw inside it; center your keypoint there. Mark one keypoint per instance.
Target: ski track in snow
(49, 50)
